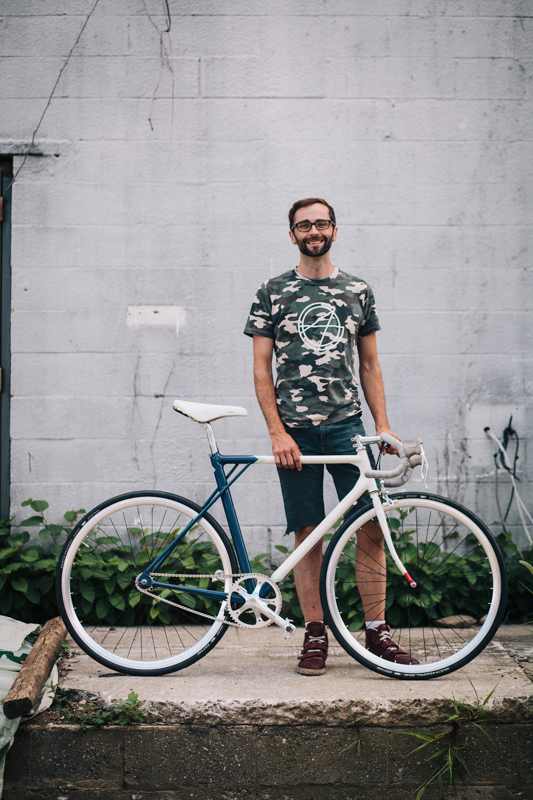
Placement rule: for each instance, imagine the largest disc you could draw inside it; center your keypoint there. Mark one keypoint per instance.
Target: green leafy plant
(448, 761)
(89, 715)
(27, 572)
(129, 712)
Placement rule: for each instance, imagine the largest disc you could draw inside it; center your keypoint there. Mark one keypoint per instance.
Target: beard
(315, 252)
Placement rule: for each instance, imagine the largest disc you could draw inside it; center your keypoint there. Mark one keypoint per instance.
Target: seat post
(210, 437)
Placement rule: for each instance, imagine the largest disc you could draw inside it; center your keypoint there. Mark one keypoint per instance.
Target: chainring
(250, 605)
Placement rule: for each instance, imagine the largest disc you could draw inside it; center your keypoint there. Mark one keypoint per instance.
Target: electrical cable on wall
(27, 153)
(509, 433)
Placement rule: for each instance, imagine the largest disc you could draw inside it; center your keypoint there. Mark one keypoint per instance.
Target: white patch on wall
(156, 316)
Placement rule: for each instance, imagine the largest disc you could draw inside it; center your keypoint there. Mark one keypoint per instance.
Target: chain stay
(217, 576)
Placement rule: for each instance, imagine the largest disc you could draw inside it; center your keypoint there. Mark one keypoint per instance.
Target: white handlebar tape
(392, 473)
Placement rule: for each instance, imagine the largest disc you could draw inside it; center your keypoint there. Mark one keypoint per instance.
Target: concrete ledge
(250, 678)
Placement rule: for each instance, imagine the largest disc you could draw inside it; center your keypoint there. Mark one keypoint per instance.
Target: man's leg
(312, 659)
(371, 571)
(371, 577)
(307, 577)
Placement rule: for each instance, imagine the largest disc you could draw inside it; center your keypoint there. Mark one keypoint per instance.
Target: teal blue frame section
(219, 463)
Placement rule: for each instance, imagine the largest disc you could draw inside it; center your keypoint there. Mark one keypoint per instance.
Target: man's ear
(293, 238)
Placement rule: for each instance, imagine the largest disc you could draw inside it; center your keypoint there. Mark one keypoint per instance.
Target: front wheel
(106, 613)
(460, 594)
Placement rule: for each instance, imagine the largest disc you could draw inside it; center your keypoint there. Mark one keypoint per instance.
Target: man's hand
(385, 448)
(286, 451)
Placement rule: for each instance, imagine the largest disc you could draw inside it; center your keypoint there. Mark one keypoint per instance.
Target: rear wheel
(109, 617)
(459, 599)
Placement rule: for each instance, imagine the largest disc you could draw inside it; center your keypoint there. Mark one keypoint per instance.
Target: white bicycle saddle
(205, 412)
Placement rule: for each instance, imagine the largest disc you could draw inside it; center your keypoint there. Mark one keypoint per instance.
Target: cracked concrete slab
(249, 679)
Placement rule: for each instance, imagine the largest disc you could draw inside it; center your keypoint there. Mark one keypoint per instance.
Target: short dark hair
(310, 201)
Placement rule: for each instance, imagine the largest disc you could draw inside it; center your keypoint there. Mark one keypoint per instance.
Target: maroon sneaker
(312, 659)
(379, 643)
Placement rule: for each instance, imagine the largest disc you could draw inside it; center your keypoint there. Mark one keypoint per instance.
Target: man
(312, 318)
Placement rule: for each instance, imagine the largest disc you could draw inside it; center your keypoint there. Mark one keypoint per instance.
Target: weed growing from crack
(87, 714)
(449, 761)
(129, 712)
(357, 742)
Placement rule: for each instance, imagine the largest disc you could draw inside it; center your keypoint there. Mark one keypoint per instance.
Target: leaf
(18, 538)
(33, 594)
(102, 608)
(13, 567)
(20, 584)
(32, 554)
(32, 521)
(45, 583)
(87, 591)
(528, 566)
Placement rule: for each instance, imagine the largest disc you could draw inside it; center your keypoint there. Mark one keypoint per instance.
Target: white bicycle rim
(435, 667)
(101, 653)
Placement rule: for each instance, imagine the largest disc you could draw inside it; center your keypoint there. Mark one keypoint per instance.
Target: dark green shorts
(303, 492)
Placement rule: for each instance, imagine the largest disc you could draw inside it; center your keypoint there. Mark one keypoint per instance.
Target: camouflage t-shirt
(315, 325)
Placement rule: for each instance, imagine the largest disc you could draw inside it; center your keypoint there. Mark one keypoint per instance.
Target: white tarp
(16, 641)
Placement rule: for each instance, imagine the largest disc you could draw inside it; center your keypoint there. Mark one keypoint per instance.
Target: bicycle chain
(192, 610)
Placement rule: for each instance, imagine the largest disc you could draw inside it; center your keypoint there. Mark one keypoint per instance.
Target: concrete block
(118, 118)
(333, 120)
(261, 77)
(143, 247)
(158, 205)
(480, 755)
(460, 119)
(494, 78)
(491, 36)
(115, 162)
(33, 79)
(206, 756)
(67, 755)
(288, 756)
(391, 78)
(51, 35)
(112, 76)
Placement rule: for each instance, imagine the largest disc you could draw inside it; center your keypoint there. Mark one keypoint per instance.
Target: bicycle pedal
(289, 629)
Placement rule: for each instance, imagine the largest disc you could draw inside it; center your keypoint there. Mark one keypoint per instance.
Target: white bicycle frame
(359, 459)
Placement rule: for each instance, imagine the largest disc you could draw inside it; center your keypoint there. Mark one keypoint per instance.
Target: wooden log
(35, 670)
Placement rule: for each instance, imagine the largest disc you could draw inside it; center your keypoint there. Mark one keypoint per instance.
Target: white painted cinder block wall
(412, 117)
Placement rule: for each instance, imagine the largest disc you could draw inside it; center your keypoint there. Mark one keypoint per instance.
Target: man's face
(313, 243)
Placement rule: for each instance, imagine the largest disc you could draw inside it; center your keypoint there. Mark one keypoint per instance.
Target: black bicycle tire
(59, 595)
(391, 671)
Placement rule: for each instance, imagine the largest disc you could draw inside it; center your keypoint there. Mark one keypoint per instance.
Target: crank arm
(286, 624)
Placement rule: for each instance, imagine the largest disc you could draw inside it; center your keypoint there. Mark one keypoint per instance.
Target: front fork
(382, 519)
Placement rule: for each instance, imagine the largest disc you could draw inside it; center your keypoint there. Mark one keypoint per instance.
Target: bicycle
(137, 582)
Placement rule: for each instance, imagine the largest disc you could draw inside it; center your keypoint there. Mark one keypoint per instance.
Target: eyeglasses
(320, 225)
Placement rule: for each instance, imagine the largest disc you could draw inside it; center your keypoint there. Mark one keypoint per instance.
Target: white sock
(375, 624)
(314, 620)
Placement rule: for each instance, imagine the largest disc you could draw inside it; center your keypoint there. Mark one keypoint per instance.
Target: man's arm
(372, 384)
(285, 450)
